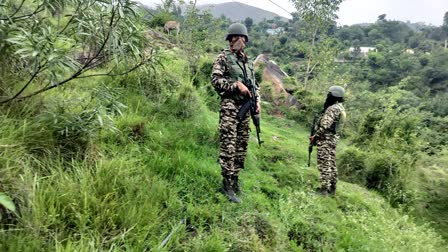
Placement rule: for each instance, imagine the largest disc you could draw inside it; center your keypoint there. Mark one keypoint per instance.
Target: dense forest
(108, 134)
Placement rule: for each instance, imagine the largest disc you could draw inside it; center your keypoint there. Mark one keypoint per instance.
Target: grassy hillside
(431, 206)
(130, 164)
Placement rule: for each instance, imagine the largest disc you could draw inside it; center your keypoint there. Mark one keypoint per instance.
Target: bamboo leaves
(53, 51)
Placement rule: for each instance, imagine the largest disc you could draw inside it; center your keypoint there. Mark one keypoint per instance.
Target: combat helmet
(237, 29)
(337, 91)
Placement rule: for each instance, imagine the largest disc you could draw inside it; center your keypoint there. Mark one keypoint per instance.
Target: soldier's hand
(243, 89)
(312, 139)
(258, 108)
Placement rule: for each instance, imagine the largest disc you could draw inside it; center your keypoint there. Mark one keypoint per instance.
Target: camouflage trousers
(326, 161)
(234, 137)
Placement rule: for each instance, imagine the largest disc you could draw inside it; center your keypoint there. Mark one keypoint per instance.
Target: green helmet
(337, 91)
(237, 29)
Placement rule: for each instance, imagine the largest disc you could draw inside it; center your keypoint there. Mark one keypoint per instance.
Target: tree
(40, 53)
(445, 28)
(356, 49)
(168, 5)
(295, 17)
(381, 18)
(318, 16)
(374, 36)
(248, 22)
(283, 40)
(396, 31)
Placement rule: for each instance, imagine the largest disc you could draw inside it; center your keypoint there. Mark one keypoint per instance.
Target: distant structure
(409, 51)
(363, 50)
(275, 31)
(172, 25)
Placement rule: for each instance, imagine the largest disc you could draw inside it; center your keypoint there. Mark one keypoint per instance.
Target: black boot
(322, 191)
(229, 191)
(224, 187)
(236, 185)
(332, 190)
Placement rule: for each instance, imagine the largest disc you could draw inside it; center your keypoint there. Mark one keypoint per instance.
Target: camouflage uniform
(234, 134)
(327, 136)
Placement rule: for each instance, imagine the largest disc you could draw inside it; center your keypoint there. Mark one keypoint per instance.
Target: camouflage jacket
(227, 69)
(331, 122)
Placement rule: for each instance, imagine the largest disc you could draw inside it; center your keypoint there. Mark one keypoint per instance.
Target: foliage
(319, 13)
(69, 126)
(121, 162)
(6, 202)
(318, 16)
(51, 43)
(324, 224)
(390, 129)
(432, 187)
(352, 165)
(159, 19)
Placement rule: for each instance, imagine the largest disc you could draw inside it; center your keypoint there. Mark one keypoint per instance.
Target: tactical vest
(337, 126)
(236, 70)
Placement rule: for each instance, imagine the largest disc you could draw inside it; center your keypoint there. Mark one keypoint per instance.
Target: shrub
(259, 225)
(159, 19)
(185, 103)
(156, 87)
(368, 124)
(389, 176)
(202, 76)
(311, 237)
(351, 166)
(68, 126)
(382, 171)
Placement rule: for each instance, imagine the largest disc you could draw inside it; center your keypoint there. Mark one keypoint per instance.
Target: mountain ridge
(237, 11)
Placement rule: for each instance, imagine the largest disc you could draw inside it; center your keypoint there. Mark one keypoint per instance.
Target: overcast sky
(358, 11)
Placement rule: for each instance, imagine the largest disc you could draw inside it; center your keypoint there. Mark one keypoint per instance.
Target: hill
(150, 181)
(123, 158)
(238, 11)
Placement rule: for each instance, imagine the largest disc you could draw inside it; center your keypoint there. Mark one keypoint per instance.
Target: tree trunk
(308, 64)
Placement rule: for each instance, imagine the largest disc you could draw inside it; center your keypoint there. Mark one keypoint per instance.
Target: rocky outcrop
(274, 75)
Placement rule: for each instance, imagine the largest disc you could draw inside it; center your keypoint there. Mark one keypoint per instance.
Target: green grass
(155, 173)
(433, 188)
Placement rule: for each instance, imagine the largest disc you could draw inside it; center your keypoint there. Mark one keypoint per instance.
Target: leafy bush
(438, 104)
(368, 126)
(204, 72)
(435, 134)
(380, 171)
(158, 20)
(154, 86)
(260, 226)
(72, 48)
(383, 169)
(185, 103)
(69, 126)
(352, 166)
(390, 176)
(311, 237)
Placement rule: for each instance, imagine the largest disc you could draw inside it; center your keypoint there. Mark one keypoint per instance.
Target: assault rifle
(251, 104)
(312, 132)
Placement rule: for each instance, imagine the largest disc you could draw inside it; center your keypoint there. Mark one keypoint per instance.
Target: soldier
(326, 138)
(229, 70)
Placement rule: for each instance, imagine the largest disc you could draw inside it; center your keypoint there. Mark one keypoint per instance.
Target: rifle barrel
(312, 132)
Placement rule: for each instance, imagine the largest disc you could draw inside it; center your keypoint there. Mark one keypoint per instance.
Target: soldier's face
(238, 43)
